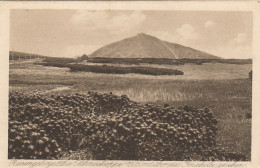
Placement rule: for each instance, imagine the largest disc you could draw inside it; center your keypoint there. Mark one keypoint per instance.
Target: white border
(131, 5)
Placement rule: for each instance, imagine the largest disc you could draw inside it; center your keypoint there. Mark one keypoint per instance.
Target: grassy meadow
(224, 88)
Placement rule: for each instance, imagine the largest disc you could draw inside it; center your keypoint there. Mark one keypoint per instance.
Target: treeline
(124, 70)
(74, 64)
(113, 69)
(165, 61)
(14, 55)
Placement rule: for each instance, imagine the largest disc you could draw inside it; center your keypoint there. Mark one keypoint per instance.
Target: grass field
(224, 88)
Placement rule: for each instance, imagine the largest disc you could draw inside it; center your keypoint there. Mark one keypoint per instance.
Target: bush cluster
(124, 70)
(110, 127)
(113, 69)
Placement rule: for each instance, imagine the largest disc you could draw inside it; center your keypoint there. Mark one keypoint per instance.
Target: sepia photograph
(141, 85)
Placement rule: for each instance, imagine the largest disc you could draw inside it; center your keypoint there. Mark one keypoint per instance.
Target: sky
(72, 33)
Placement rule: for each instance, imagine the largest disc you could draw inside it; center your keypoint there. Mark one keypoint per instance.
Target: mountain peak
(141, 34)
(146, 46)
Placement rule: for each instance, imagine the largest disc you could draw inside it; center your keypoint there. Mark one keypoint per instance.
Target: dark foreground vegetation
(75, 65)
(113, 69)
(250, 75)
(14, 55)
(165, 61)
(137, 61)
(124, 70)
(105, 126)
(55, 60)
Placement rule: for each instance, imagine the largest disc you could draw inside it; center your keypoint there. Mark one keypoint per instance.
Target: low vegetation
(165, 61)
(56, 60)
(75, 64)
(124, 70)
(229, 99)
(113, 69)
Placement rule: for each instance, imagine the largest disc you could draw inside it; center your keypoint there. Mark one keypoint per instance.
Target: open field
(224, 88)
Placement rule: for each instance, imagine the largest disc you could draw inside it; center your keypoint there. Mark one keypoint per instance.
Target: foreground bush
(109, 127)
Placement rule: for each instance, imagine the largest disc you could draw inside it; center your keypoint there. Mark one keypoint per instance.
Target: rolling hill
(15, 55)
(146, 46)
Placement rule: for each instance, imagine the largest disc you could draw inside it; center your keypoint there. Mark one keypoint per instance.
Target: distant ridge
(15, 55)
(146, 46)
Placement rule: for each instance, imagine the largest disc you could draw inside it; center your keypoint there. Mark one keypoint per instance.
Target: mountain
(147, 46)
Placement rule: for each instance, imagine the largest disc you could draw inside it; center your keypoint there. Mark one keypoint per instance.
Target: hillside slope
(146, 46)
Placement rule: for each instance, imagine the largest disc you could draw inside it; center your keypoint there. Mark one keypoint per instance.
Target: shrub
(106, 126)
(250, 74)
(248, 115)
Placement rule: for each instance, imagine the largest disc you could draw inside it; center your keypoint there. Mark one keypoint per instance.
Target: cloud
(115, 24)
(186, 32)
(184, 35)
(238, 47)
(124, 22)
(209, 24)
(228, 51)
(89, 18)
(240, 39)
